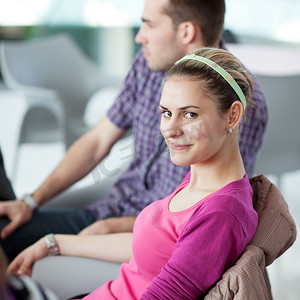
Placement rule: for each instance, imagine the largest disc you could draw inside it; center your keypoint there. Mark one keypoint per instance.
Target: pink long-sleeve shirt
(179, 255)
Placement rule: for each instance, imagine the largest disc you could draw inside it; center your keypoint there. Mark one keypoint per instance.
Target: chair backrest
(56, 67)
(281, 147)
(56, 63)
(246, 280)
(276, 232)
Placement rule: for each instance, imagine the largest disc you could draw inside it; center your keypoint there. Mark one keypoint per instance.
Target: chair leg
(15, 164)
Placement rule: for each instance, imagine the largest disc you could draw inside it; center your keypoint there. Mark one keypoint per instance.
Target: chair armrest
(34, 90)
(70, 276)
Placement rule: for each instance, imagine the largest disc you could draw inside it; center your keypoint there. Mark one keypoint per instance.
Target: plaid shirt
(152, 175)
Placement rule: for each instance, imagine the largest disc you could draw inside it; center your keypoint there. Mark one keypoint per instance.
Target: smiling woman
(198, 231)
(198, 102)
(190, 123)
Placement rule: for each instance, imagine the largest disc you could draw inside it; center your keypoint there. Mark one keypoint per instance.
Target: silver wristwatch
(28, 199)
(51, 244)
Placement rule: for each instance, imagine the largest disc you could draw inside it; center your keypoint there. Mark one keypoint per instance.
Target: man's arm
(79, 160)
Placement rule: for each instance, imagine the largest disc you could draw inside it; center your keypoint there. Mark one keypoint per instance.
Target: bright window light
(269, 19)
(26, 12)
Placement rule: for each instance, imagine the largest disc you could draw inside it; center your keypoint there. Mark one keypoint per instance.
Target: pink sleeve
(208, 245)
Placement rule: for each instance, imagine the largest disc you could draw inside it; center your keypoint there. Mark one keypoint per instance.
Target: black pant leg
(44, 221)
(6, 190)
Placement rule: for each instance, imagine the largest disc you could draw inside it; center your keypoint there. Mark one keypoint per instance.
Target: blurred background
(99, 26)
(104, 31)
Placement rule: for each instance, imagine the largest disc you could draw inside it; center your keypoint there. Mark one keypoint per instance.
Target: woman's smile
(179, 147)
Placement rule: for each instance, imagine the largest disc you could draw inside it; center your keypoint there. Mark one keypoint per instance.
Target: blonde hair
(212, 82)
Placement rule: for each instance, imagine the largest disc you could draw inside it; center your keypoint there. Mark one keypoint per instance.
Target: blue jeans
(44, 221)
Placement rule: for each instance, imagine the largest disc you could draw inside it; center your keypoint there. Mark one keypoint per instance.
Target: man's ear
(235, 114)
(187, 32)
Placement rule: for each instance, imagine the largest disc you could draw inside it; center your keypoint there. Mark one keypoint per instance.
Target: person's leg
(44, 221)
(6, 190)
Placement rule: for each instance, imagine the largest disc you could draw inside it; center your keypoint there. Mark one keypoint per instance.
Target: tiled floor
(36, 161)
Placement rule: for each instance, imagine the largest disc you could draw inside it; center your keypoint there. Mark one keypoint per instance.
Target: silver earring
(230, 130)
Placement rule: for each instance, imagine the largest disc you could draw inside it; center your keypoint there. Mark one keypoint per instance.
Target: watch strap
(29, 200)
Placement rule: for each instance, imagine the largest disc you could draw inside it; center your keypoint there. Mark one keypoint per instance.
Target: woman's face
(193, 128)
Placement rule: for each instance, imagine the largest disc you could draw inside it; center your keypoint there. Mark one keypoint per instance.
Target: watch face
(52, 246)
(54, 250)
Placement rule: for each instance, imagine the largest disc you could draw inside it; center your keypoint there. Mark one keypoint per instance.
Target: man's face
(158, 37)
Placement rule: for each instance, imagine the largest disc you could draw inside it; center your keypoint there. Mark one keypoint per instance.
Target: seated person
(15, 287)
(170, 30)
(182, 244)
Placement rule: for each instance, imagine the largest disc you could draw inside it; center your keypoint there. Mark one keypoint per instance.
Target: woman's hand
(111, 225)
(98, 227)
(115, 247)
(23, 263)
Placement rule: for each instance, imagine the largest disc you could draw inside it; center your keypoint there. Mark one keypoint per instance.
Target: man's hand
(18, 212)
(111, 225)
(23, 263)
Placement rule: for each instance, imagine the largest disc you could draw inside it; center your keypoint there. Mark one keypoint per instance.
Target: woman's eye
(191, 115)
(166, 114)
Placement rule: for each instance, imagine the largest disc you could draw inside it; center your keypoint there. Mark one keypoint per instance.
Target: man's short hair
(207, 14)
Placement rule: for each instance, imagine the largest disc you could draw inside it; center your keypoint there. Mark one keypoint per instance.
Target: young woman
(182, 244)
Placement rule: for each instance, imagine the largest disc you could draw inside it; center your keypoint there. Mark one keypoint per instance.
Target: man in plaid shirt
(166, 35)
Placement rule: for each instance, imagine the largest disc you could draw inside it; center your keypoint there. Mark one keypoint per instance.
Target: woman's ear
(235, 114)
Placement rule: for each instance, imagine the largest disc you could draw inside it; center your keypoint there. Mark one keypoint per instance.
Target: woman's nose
(171, 129)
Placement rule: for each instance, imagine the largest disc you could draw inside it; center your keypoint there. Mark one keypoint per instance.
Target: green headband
(222, 72)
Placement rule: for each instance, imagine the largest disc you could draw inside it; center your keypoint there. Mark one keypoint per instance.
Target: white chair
(68, 276)
(57, 81)
(277, 69)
